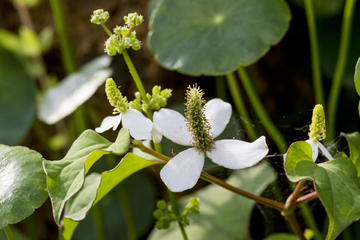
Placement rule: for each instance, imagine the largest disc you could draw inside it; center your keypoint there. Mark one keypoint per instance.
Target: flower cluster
(124, 37)
(99, 17)
(157, 100)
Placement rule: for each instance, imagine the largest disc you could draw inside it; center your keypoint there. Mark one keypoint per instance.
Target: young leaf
(23, 184)
(214, 38)
(96, 187)
(66, 177)
(336, 184)
(217, 219)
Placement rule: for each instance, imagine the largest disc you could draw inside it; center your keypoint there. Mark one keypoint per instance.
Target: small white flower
(315, 146)
(183, 171)
(139, 126)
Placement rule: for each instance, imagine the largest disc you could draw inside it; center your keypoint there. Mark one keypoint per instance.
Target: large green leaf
(336, 184)
(214, 37)
(22, 184)
(96, 187)
(66, 176)
(17, 99)
(62, 99)
(223, 214)
(354, 144)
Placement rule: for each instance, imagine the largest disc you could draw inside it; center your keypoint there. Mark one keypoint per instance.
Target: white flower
(139, 126)
(183, 171)
(315, 146)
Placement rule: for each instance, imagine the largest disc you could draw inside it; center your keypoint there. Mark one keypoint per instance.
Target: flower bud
(166, 93)
(318, 126)
(99, 17)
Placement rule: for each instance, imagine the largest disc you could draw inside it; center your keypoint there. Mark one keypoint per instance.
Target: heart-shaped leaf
(22, 184)
(96, 187)
(336, 184)
(226, 216)
(215, 37)
(74, 90)
(17, 99)
(66, 176)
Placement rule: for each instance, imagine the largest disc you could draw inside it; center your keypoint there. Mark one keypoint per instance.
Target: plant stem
(315, 56)
(240, 106)
(261, 112)
(66, 52)
(265, 201)
(8, 233)
(135, 76)
(340, 67)
(310, 221)
(295, 225)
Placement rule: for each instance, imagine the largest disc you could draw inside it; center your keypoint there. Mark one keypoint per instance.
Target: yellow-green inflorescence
(115, 97)
(197, 123)
(318, 126)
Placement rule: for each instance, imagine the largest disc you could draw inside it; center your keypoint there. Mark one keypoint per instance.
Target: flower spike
(318, 127)
(115, 97)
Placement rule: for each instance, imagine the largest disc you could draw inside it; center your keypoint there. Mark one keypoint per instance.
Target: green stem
(66, 52)
(130, 226)
(261, 112)
(221, 88)
(340, 67)
(8, 233)
(135, 76)
(99, 222)
(106, 30)
(240, 106)
(315, 56)
(295, 226)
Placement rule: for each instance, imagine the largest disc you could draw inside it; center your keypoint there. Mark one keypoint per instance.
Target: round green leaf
(214, 37)
(17, 99)
(23, 184)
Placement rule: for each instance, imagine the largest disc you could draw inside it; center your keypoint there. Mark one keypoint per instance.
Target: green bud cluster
(99, 17)
(157, 100)
(197, 123)
(124, 37)
(165, 216)
(115, 97)
(318, 125)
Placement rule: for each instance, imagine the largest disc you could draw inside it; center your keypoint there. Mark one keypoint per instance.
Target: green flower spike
(115, 97)
(318, 127)
(317, 133)
(99, 17)
(197, 124)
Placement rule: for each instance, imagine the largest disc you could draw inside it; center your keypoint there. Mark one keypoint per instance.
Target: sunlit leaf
(336, 184)
(29, 42)
(66, 176)
(226, 216)
(354, 144)
(96, 187)
(17, 99)
(22, 184)
(74, 90)
(214, 37)
(357, 77)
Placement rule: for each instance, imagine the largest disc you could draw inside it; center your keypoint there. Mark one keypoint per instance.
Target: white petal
(156, 133)
(236, 154)
(109, 122)
(314, 148)
(325, 151)
(218, 114)
(173, 126)
(139, 126)
(183, 171)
